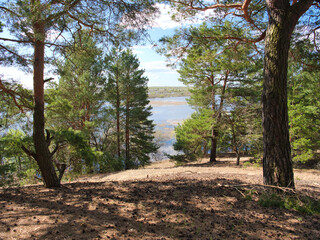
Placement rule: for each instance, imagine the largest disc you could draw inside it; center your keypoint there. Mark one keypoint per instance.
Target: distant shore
(166, 103)
(164, 92)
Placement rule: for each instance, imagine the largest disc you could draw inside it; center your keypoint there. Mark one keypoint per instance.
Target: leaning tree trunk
(42, 154)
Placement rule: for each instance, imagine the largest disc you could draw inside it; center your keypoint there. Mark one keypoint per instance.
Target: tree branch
(12, 94)
(260, 38)
(65, 11)
(15, 54)
(15, 40)
(214, 6)
(28, 152)
(8, 10)
(299, 8)
(48, 80)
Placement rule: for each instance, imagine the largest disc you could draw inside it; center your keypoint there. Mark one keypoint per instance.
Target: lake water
(167, 113)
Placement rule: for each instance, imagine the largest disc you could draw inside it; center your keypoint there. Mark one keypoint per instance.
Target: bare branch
(15, 40)
(48, 80)
(244, 7)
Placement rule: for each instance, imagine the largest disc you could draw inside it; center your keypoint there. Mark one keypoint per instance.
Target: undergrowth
(302, 204)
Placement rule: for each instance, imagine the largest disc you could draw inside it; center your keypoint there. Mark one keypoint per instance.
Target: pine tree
(76, 103)
(303, 100)
(283, 16)
(209, 71)
(31, 21)
(129, 97)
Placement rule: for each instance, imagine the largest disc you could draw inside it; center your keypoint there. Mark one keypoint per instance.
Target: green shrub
(271, 200)
(292, 202)
(6, 174)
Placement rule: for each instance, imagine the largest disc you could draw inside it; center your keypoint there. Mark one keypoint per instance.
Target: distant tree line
(163, 92)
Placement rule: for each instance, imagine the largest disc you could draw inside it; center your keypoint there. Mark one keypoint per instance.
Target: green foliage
(29, 177)
(249, 194)
(14, 162)
(128, 96)
(192, 135)
(224, 82)
(303, 102)
(302, 204)
(77, 152)
(77, 23)
(271, 200)
(108, 163)
(7, 174)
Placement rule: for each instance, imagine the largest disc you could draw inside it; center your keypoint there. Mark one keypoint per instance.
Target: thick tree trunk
(42, 154)
(277, 163)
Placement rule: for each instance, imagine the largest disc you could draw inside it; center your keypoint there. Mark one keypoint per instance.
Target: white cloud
(159, 74)
(26, 79)
(140, 49)
(164, 21)
(157, 67)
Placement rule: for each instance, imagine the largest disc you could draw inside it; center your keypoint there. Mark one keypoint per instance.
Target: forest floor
(197, 201)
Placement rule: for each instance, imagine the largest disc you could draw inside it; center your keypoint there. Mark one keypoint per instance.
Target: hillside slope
(198, 201)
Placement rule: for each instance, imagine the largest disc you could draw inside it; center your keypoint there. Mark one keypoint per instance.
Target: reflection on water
(167, 113)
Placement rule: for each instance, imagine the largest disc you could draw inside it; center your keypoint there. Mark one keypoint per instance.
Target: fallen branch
(284, 189)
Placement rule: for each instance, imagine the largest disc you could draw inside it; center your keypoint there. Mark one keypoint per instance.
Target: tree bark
(42, 153)
(277, 162)
(127, 155)
(238, 157)
(215, 133)
(213, 152)
(118, 116)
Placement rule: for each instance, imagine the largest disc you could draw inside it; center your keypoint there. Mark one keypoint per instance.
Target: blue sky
(153, 63)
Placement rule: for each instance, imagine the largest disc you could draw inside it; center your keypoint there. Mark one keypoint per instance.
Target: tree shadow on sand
(180, 209)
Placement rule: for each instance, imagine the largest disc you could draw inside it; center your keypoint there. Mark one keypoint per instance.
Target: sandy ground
(197, 201)
(205, 170)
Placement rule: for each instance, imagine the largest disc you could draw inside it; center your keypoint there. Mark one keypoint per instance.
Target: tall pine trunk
(215, 132)
(127, 135)
(277, 162)
(42, 153)
(118, 117)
